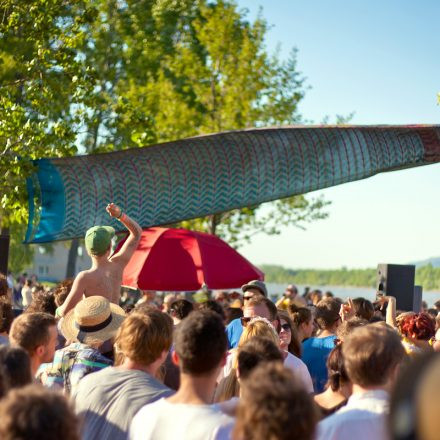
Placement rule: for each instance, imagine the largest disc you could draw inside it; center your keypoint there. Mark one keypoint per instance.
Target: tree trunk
(213, 225)
(4, 250)
(71, 260)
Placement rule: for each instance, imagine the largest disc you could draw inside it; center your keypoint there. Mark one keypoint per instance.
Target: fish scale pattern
(167, 183)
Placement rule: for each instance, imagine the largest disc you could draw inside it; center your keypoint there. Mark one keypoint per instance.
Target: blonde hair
(258, 327)
(229, 386)
(143, 336)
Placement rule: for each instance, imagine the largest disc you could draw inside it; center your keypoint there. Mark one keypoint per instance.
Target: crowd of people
(90, 363)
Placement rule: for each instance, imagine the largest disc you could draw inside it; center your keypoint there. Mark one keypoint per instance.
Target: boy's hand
(113, 210)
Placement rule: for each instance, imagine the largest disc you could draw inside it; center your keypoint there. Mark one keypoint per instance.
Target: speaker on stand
(398, 280)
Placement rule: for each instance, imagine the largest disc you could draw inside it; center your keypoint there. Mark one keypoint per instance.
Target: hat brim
(72, 333)
(246, 287)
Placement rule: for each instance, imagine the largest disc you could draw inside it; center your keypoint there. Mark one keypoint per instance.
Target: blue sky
(380, 60)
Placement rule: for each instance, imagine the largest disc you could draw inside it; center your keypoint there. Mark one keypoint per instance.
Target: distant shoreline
(276, 290)
(426, 276)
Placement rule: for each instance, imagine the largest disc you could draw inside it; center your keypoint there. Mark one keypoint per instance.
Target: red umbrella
(183, 260)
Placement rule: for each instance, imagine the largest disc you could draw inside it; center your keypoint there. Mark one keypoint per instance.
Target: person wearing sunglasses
(255, 303)
(253, 288)
(289, 344)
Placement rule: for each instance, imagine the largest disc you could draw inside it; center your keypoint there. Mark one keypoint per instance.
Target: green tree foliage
(20, 255)
(426, 276)
(316, 277)
(103, 75)
(43, 82)
(208, 72)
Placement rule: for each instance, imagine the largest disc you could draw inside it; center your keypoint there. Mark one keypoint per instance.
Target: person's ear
(175, 358)
(39, 351)
(163, 356)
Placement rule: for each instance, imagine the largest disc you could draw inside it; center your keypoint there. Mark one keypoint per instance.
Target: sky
(380, 60)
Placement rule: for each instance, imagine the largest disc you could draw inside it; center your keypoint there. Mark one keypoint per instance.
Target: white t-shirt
(363, 418)
(26, 294)
(300, 369)
(163, 420)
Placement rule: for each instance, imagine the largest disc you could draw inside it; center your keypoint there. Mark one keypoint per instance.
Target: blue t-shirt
(315, 354)
(233, 332)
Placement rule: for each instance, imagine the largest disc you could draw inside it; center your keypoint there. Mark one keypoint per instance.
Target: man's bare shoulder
(90, 275)
(80, 276)
(85, 274)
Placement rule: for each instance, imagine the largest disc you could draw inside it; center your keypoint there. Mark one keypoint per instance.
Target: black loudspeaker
(397, 280)
(418, 295)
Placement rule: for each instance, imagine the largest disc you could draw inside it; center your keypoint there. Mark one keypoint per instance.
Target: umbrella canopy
(183, 260)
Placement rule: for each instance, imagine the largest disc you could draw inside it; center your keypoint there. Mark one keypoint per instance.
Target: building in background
(51, 266)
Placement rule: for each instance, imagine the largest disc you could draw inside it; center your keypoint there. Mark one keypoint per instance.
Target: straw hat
(94, 320)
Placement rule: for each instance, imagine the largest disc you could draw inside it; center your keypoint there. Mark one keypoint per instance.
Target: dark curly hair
(62, 290)
(43, 302)
(418, 326)
(274, 405)
(181, 308)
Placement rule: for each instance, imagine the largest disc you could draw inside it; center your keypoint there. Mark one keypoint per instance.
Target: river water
(344, 292)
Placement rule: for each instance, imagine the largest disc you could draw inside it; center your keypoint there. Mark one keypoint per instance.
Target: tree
(20, 255)
(43, 84)
(105, 75)
(197, 68)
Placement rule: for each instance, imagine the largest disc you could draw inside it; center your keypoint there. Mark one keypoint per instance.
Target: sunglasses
(245, 298)
(285, 327)
(245, 320)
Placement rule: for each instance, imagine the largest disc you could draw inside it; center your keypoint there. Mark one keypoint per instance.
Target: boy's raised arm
(128, 248)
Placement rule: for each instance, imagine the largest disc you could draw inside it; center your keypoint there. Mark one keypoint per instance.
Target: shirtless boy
(105, 276)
